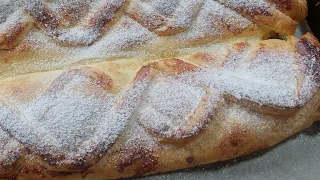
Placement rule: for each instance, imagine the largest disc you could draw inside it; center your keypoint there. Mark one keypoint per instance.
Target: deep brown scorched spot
(283, 4)
(310, 49)
(143, 158)
(190, 159)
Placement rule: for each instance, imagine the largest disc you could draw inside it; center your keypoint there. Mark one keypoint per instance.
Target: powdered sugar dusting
(6, 8)
(266, 79)
(10, 148)
(82, 23)
(63, 9)
(165, 7)
(167, 105)
(78, 35)
(180, 14)
(88, 23)
(126, 35)
(215, 20)
(58, 123)
(14, 19)
(88, 29)
(75, 120)
(84, 34)
(253, 7)
(138, 137)
(269, 78)
(78, 118)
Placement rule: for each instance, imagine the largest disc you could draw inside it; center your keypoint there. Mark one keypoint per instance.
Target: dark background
(314, 17)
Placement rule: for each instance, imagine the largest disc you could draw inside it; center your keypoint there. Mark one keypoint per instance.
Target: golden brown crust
(114, 88)
(12, 34)
(297, 10)
(232, 127)
(264, 14)
(41, 31)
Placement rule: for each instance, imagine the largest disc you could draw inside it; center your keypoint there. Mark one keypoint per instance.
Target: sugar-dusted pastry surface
(41, 35)
(132, 117)
(96, 89)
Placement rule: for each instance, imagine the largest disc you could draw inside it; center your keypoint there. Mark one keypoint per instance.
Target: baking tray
(297, 158)
(314, 16)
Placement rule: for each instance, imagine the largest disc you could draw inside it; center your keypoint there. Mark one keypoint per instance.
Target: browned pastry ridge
(105, 89)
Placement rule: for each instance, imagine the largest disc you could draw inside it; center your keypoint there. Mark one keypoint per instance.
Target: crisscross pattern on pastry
(101, 89)
(79, 118)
